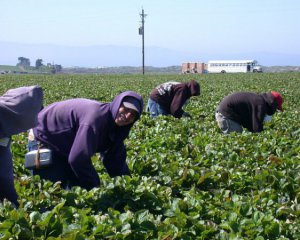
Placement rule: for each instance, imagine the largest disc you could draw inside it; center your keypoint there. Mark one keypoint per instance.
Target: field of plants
(188, 181)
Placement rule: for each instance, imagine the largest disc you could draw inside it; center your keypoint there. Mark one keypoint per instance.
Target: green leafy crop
(188, 181)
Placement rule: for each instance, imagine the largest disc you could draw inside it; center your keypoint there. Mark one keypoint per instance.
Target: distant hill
(125, 70)
(282, 69)
(162, 70)
(115, 56)
(4, 69)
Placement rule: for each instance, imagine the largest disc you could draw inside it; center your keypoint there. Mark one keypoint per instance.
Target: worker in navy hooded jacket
(171, 98)
(18, 112)
(76, 129)
(248, 110)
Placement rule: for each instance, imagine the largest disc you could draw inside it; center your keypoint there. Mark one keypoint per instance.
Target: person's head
(123, 106)
(194, 88)
(278, 99)
(128, 111)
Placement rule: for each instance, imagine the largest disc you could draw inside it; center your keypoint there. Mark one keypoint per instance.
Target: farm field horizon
(188, 180)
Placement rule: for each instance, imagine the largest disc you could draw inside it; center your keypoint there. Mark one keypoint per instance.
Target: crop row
(188, 180)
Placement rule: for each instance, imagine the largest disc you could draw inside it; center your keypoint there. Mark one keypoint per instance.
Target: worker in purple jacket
(171, 97)
(76, 129)
(248, 110)
(18, 112)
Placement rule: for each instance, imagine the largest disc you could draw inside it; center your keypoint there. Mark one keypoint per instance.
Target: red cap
(278, 99)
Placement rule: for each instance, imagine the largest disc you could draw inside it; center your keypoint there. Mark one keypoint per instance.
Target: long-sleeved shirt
(18, 109)
(248, 109)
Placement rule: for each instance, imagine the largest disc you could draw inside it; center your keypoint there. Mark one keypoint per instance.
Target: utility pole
(142, 32)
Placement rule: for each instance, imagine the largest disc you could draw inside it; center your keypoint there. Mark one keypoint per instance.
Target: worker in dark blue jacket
(76, 129)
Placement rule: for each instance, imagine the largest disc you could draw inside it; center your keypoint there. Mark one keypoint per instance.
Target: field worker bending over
(171, 97)
(248, 110)
(76, 129)
(18, 112)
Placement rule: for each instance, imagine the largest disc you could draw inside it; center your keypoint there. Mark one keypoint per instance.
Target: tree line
(24, 63)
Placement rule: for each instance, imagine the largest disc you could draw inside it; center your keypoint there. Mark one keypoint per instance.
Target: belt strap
(37, 159)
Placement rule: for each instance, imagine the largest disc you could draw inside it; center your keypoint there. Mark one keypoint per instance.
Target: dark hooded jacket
(18, 112)
(172, 96)
(79, 128)
(18, 109)
(248, 109)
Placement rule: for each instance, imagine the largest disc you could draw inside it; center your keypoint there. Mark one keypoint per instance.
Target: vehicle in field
(233, 66)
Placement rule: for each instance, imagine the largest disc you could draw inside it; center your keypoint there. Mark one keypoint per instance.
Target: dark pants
(60, 170)
(7, 187)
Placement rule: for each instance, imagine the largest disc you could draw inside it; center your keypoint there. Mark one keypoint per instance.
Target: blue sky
(192, 27)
